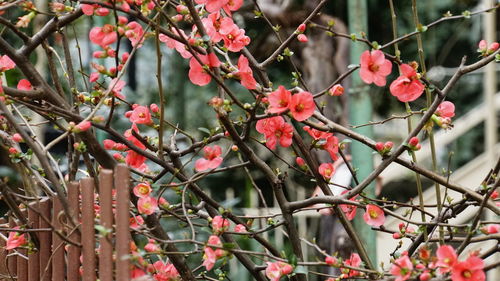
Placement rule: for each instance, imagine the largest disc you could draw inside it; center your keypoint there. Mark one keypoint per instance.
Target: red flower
(135, 33)
(446, 258)
(15, 240)
(103, 36)
(116, 87)
(407, 87)
(6, 63)
(468, 270)
(174, 44)
(316, 134)
(245, 74)
(354, 261)
(212, 5)
(302, 106)
(374, 67)
(326, 170)
(279, 100)
(374, 215)
(332, 147)
(141, 115)
(402, 268)
(234, 37)
(134, 159)
(197, 74)
(349, 210)
(24, 85)
(275, 129)
(212, 158)
(336, 90)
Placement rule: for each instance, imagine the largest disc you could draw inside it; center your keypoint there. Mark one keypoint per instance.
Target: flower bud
(331, 261)
(336, 90)
(17, 138)
(302, 38)
(301, 28)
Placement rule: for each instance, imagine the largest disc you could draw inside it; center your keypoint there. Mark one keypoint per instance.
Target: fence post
(12, 262)
(88, 238)
(45, 240)
(106, 220)
(122, 175)
(58, 272)
(73, 265)
(33, 258)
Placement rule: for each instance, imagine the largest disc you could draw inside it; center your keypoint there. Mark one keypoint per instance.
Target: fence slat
(88, 238)
(3, 252)
(22, 262)
(45, 240)
(122, 175)
(73, 265)
(106, 216)
(34, 258)
(12, 262)
(58, 273)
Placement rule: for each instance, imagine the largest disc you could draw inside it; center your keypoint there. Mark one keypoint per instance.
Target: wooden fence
(68, 252)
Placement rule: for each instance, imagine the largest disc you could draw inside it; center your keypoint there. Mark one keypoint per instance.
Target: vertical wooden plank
(88, 238)
(58, 270)
(3, 252)
(73, 263)
(106, 217)
(12, 262)
(22, 262)
(45, 240)
(122, 185)
(33, 258)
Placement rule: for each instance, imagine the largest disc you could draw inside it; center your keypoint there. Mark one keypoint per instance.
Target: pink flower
(89, 10)
(446, 258)
(82, 126)
(275, 129)
(402, 268)
(234, 37)
(407, 87)
(212, 5)
(240, 228)
(331, 261)
(135, 33)
(302, 38)
(141, 115)
(213, 24)
(15, 240)
(143, 189)
(326, 170)
(276, 270)
(94, 76)
(468, 270)
(116, 87)
(302, 106)
(279, 100)
(147, 205)
(165, 272)
(197, 74)
(152, 246)
(17, 138)
(103, 36)
(209, 258)
(174, 44)
(212, 158)
(446, 109)
(492, 228)
(24, 85)
(336, 90)
(6, 63)
(245, 74)
(374, 215)
(374, 67)
(354, 261)
(219, 224)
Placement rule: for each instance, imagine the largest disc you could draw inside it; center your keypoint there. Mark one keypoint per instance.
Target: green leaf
(205, 130)
(300, 270)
